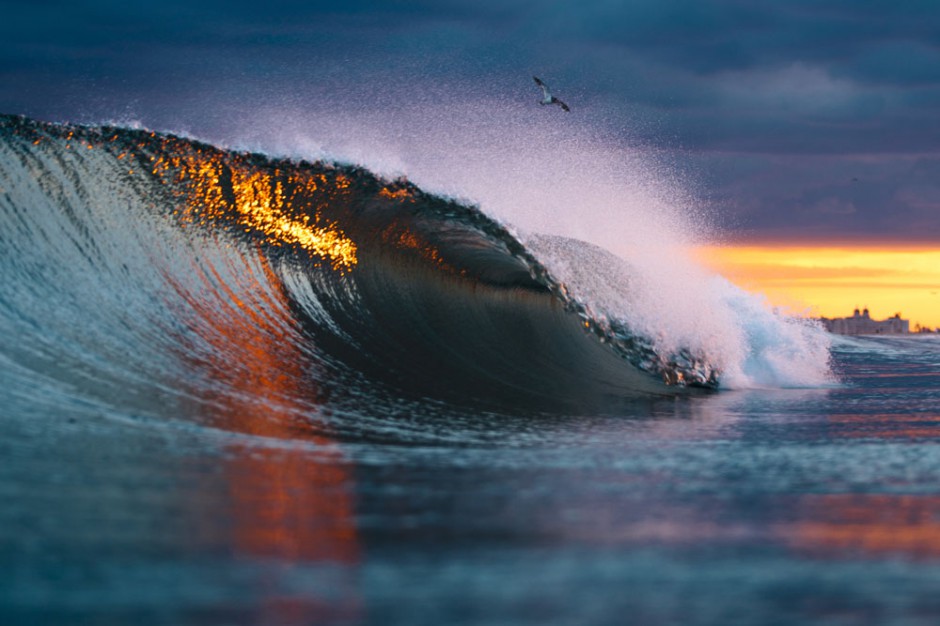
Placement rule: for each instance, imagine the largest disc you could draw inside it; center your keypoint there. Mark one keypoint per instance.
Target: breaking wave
(145, 270)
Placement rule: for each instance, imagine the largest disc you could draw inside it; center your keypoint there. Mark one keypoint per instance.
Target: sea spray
(352, 286)
(615, 223)
(780, 350)
(665, 296)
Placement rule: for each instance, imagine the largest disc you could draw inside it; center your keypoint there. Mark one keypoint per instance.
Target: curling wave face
(143, 270)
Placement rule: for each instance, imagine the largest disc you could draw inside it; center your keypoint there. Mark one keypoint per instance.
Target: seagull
(547, 97)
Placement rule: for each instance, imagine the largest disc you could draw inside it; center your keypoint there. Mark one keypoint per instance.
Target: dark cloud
(828, 197)
(767, 100)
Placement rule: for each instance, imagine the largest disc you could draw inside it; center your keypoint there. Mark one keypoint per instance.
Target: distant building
(863, 324)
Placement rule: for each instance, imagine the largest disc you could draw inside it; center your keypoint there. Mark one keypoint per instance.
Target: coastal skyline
(810, 126)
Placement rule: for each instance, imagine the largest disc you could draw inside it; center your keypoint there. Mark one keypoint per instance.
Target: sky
(804, 122)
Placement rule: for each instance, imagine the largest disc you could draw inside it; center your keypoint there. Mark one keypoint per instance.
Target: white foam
(778, 350)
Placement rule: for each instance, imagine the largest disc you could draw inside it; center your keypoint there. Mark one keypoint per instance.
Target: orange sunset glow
(831, 280)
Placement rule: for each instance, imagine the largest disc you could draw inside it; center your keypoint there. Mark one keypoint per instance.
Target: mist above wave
(637, 302)
(569, 177)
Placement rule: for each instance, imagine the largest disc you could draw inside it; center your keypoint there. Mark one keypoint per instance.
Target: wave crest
(347, 276)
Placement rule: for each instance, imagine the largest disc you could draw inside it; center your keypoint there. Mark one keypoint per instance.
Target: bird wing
(545, 92)
(563, 105)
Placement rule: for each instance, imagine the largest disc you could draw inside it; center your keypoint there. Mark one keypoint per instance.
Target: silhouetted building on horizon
(863, 324)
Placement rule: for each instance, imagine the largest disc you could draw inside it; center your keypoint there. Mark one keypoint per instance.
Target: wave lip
(408, 290)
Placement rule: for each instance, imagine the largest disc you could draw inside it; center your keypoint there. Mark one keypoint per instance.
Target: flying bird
(547, 97)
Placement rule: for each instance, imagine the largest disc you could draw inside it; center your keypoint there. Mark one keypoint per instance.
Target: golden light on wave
(831, 281)
(259, 201)
(401, 237)
(395, 194)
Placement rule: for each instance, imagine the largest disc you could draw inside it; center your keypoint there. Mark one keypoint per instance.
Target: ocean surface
(237, 389)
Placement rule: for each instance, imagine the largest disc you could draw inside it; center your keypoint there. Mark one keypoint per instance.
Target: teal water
(755, 507)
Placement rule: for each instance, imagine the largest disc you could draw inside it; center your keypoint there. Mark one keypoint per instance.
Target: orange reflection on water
(279, 204)
(888, 425)
(905, 525)
(288, 506)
